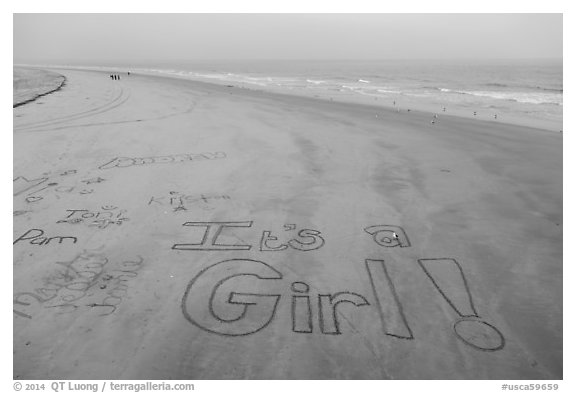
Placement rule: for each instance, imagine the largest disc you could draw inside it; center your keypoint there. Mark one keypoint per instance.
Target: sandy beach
(172, 229)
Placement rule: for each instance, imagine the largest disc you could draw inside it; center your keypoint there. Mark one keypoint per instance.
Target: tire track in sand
(118, 100)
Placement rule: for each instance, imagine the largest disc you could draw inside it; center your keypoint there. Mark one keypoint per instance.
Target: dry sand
(305, 280)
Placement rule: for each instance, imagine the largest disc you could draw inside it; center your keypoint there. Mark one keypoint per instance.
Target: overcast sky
(109, 38)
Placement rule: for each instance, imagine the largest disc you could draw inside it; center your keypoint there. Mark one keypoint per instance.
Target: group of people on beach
(116, 77)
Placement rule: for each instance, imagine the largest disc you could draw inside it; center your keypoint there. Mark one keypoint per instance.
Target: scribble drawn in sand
(89, 281)
(388, 303)
(106, 216)
(388, 235)
(35, 236)
(251, 313)
(212, 231)
(22, 184)
(125, 162)
(449, 279)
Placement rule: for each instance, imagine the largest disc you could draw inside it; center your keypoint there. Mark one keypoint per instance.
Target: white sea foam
(315, 81)
(363, 87)
(522, 97)
(386, 91)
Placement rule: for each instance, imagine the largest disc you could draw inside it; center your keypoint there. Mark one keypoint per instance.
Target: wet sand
(169, 229)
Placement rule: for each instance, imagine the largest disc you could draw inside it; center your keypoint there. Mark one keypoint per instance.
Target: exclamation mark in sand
(387, 302)
(448, 278)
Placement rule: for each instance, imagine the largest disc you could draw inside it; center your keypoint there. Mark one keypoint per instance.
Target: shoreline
(518, 120)
(218, 228)
(365, 106)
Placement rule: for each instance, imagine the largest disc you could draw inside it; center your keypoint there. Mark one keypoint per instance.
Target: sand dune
(169, 229)
(29, 84)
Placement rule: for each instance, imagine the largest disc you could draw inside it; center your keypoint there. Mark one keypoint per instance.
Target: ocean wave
(521, 97)
(527, 87)
(493, 84)
(538, 95)
(388, 91)
(550, 89)
(371, 90)
(254, 80)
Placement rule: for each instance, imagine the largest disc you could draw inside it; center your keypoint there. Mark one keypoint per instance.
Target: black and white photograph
(287, 196)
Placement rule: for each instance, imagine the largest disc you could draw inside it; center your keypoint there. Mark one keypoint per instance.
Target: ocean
(514, 91)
